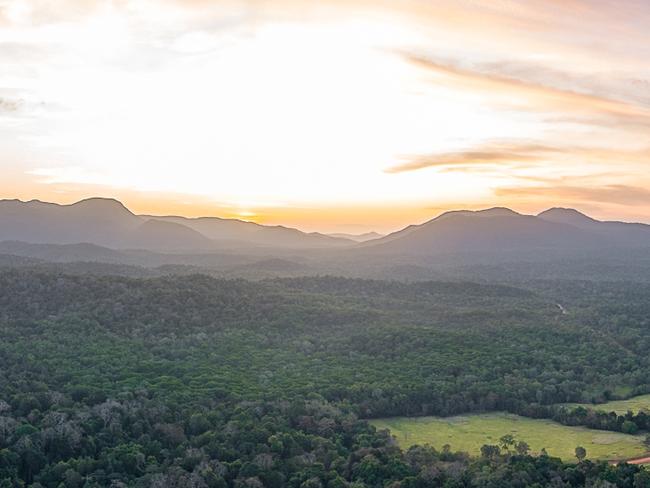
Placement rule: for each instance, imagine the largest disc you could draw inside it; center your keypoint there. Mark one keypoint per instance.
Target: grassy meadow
(470, 432)
(635, 404)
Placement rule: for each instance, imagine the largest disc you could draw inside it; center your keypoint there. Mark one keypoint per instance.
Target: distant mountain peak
(100, 203)
(562, 210)
(488, 212)
(497, 212)
(565, 216)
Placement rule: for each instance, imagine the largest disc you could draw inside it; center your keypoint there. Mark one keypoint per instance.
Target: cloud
(638, 124)
(508, 70)
(521, 154)
(619, 194)
(524, 88)
(11, 105)
(606, 86)
(37, 12)
(20, 53)
(499, 153)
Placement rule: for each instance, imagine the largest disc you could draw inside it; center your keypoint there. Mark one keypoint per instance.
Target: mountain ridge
(500, 230)
(108, 222)
(364, 237)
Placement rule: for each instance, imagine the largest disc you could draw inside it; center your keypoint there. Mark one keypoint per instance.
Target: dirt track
(645, 460)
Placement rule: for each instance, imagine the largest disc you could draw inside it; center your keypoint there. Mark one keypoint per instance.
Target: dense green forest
(108, 380)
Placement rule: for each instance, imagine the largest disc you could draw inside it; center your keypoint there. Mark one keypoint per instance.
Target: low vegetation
(191, 381)
(470, 432)
(635, 405)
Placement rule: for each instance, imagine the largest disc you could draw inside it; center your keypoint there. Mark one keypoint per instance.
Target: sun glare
(290, 113)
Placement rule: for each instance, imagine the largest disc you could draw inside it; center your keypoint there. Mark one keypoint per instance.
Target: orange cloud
(520, 154)
(494, 153)
(530, 94)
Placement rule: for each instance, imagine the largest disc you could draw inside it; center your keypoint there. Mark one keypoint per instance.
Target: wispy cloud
(525, 88)
(493, 153)
(11, 104)
(37, 12)
(622, 87)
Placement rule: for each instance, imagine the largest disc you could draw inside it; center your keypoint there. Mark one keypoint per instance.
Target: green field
(469, 433)
(634, 404)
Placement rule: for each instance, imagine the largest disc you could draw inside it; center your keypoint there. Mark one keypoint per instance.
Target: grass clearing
(470, 432)
(635, 404)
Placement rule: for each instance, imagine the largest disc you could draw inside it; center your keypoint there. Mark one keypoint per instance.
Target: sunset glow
(332, 116)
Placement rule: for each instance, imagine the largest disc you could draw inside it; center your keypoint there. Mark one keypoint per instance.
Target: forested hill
(387, 347)
(108, 379)
(183, 303)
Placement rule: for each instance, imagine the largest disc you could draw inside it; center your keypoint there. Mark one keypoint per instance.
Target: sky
(336, 116)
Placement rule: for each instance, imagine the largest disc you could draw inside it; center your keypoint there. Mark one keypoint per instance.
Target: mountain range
(107, 222)
(496, 231)
(367, 236)
(501, 230)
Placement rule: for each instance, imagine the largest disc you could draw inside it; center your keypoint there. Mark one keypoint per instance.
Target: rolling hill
(235, 232)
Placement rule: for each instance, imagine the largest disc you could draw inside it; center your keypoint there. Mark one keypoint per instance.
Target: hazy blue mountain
(568, 216)
(103, 230)
(107, 222)
(619, 233)
(235, 232)
(97, 220)
(368, 236)
(491, 231)
(160, 235)
(63, 252)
